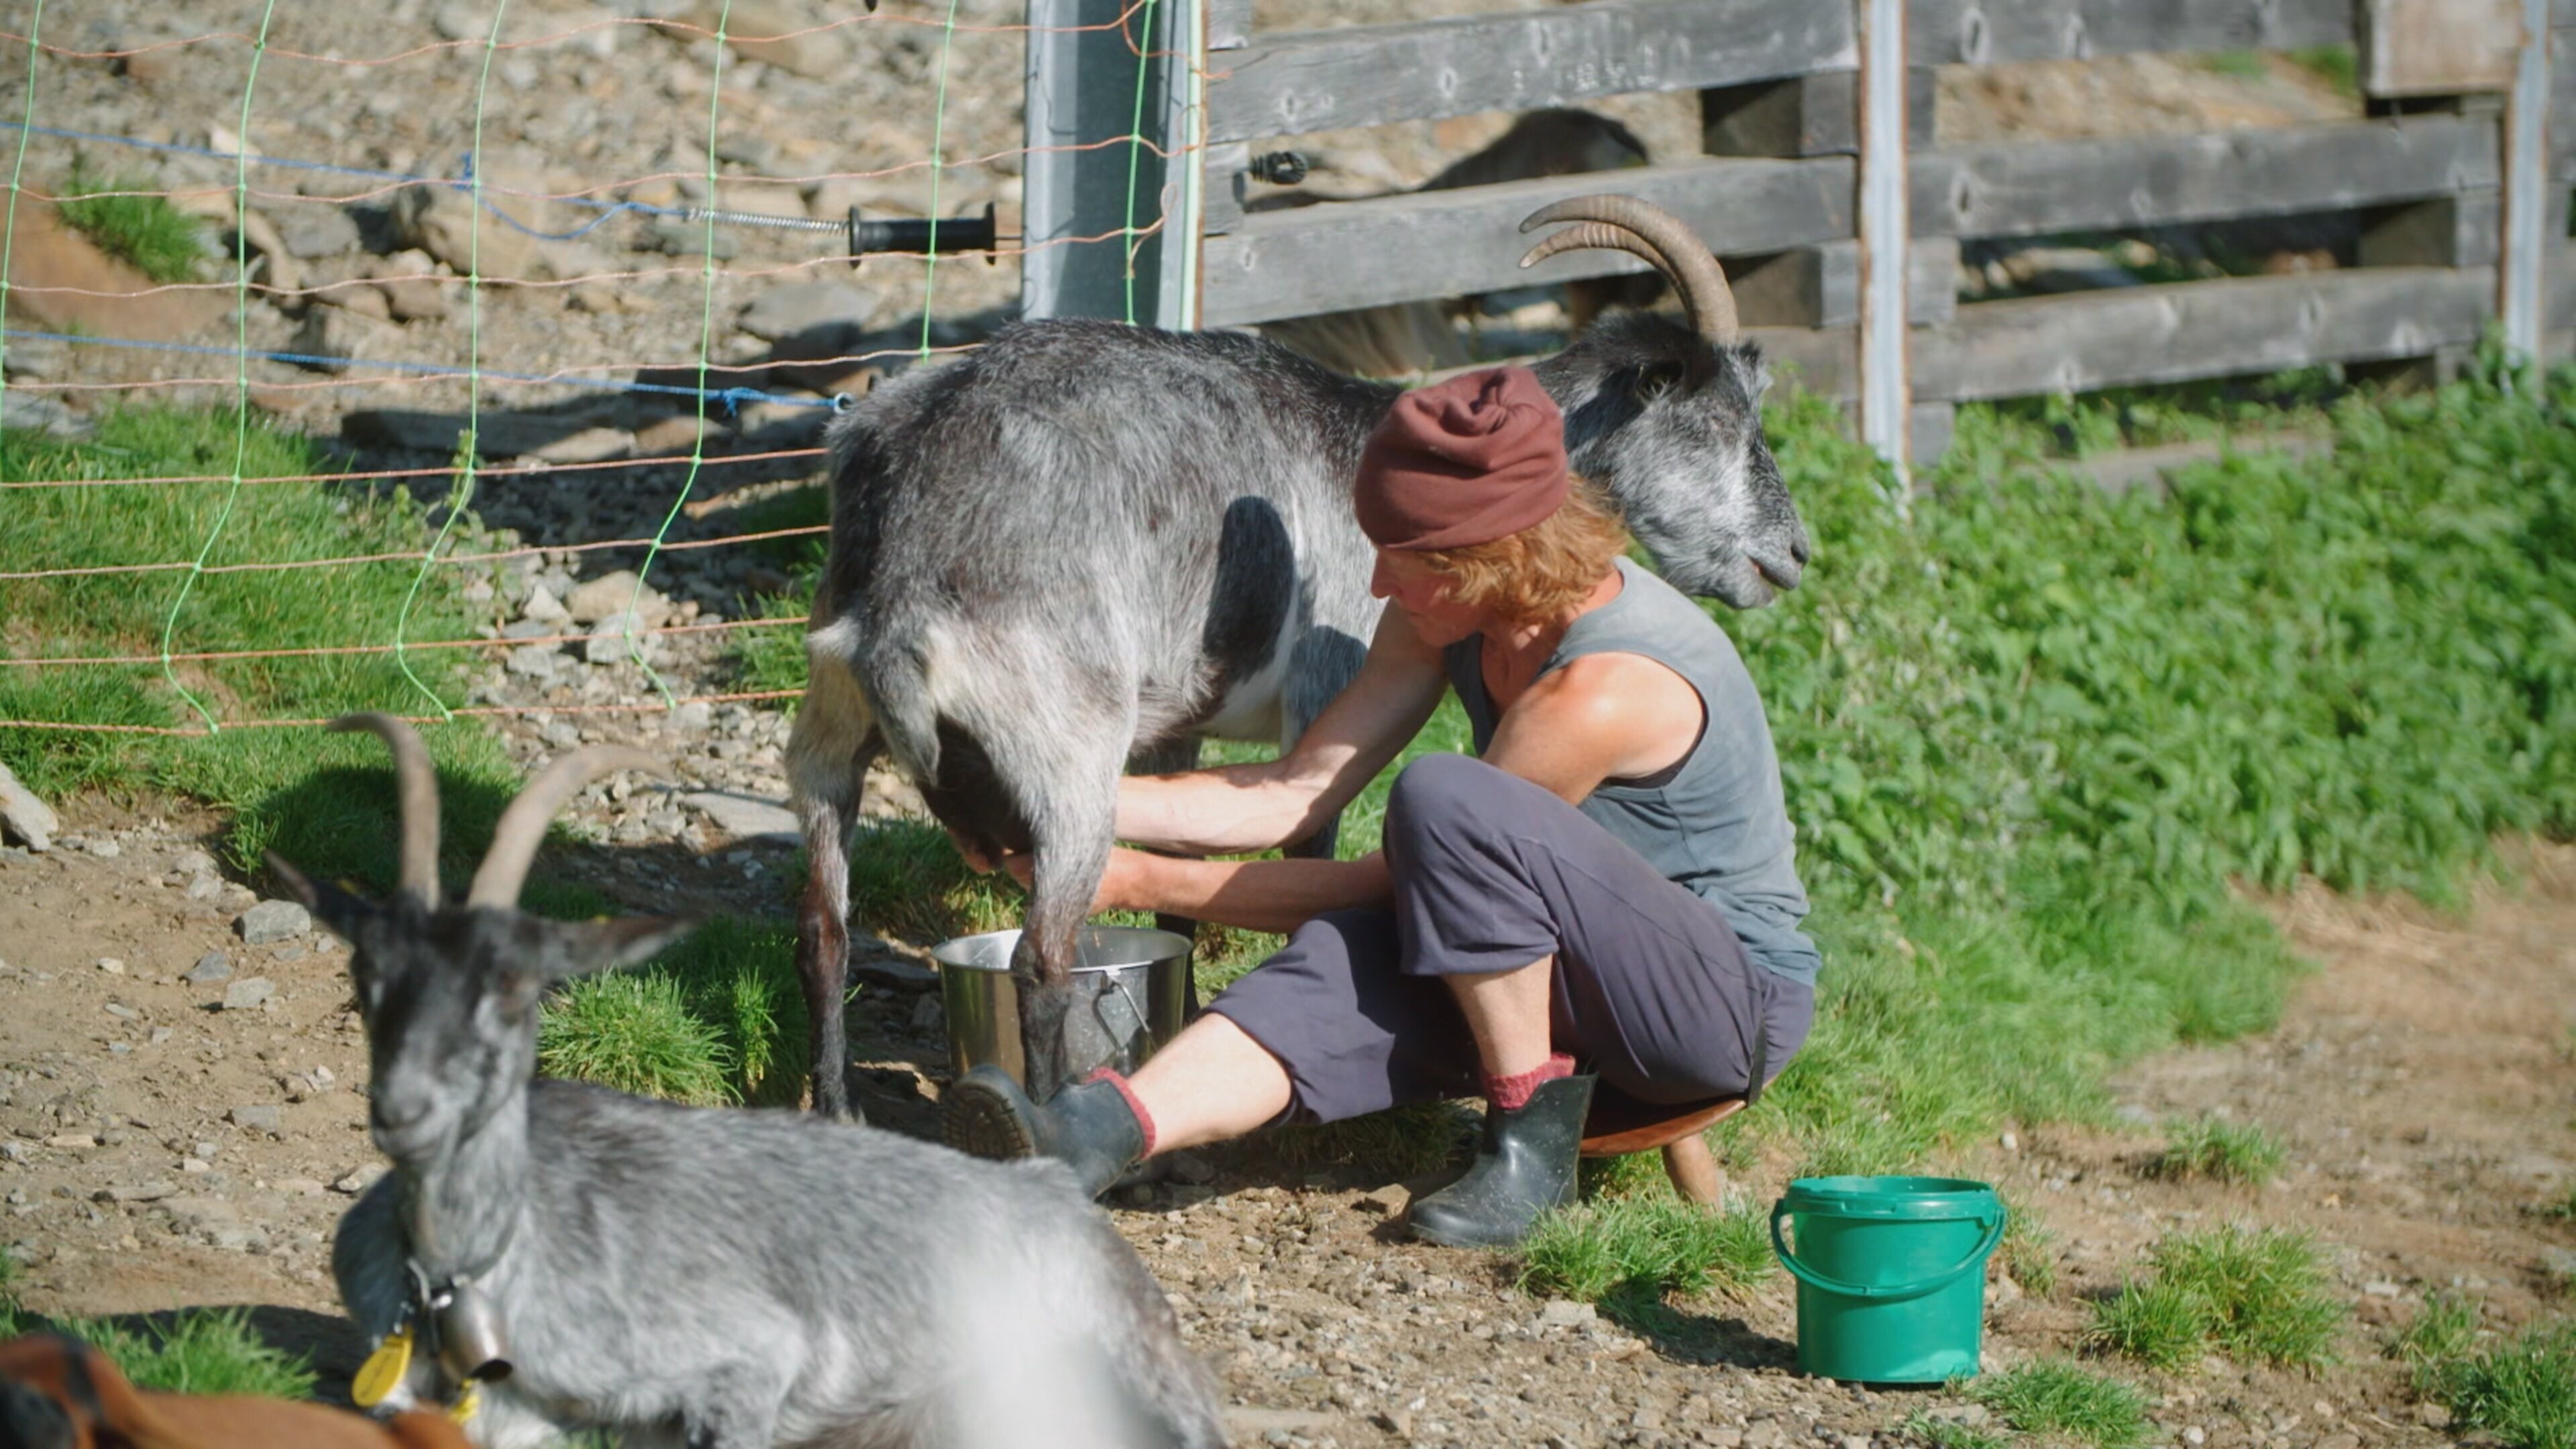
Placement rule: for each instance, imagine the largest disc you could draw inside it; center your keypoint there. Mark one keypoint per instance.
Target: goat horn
(523, 824)
(1660, 237)
(416, 790)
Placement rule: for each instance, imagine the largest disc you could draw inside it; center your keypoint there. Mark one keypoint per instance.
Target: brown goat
(59, 1393)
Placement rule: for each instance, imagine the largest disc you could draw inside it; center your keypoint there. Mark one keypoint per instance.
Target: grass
(195, 1351)
(1951, 1434)
(2220, 1151)
(2061, 1399)
(1646, 1246)
(156, 238)
(317, 798)
(2252, 1294)
(718, 1020)
(2029, 1249)
(2522, 1389)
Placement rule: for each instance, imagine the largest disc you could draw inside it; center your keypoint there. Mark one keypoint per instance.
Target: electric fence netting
(474, 358)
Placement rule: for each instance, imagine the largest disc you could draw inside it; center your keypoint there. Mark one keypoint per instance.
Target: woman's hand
(1125, 886)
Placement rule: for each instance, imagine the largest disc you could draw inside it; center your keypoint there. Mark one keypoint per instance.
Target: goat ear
(333, 906)
(625, 940)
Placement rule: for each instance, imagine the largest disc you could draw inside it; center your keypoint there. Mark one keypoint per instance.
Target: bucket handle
(1812, 1278)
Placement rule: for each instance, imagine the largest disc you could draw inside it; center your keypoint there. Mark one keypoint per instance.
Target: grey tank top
(1715, 822)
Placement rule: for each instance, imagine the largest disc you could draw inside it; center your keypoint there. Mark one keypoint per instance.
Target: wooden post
(1885, 397)
(1084, 88)
(2522, 282)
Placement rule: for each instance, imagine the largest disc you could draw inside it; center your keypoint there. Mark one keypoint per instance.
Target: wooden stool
(1620, 1124)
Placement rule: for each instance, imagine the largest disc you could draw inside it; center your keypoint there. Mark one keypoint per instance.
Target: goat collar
(457, 1323)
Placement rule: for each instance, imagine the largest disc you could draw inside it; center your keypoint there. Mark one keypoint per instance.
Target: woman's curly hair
(1535, 575)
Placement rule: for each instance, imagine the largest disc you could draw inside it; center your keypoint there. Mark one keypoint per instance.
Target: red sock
(1513, 1092)
(1144, 1118)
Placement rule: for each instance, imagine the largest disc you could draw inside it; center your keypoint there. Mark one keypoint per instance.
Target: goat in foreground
(579, 1258)
(1084, 541)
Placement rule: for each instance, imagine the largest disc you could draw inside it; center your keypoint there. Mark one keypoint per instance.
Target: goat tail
(894, 677)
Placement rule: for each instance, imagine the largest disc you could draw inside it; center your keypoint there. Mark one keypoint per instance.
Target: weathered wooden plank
(1222, 186)
(1229, 24)
(2028, 188)
(2095, 340)
(2438, 47)
(1991, 32)
(1285, 84)
(1335, 256)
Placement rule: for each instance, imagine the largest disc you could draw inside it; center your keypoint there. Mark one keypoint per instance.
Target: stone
(359, 1179)
(1566, 1313)
(74, 1141)
(364, 300)
(192, 862)
(2382, 1288)
(28, 819)
(111, 965)
(300, 1187)
(274, 921)
(1391, 1200)
(928, 1015)
(619, 637)
(35, 412)
(596, 599)
(462, 20)
(410, 284)
(249, 995)
(282, 270)
(212, 967)
(2432, 1416)
(268, 1119)
(745, 817)
(536, 661)
(104, 848)
(590, 445)
(141, 1192)
(318, 230)
(441, 221)
(801, 307)
(543, 607)
(1191, 1168)
(331, 337)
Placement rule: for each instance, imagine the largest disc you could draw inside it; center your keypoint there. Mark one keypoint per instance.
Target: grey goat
(1086, 542)
(720, 1279)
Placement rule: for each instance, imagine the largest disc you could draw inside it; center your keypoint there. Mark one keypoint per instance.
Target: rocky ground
(181, 1121)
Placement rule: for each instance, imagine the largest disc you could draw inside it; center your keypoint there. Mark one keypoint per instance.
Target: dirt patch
(158, 1150)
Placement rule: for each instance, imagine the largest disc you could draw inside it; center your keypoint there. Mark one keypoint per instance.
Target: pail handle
(1943, 1279)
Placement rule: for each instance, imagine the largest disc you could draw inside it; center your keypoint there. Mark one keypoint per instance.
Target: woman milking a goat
(1605, 898)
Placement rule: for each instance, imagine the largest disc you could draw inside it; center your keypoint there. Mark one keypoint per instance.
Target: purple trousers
(1651, 989)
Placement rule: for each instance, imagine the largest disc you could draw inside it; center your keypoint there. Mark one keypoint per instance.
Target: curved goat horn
(523, 824)
(1633, 225)
(416, 790)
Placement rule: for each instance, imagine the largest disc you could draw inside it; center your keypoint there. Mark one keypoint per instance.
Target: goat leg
(828, 753)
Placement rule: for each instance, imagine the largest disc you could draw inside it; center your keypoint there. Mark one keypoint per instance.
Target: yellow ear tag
(466, 1402)
(384, 1370)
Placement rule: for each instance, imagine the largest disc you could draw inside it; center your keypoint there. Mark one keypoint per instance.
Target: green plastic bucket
(1891, 1274)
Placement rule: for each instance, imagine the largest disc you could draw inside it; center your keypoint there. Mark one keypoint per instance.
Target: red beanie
(1463, 462)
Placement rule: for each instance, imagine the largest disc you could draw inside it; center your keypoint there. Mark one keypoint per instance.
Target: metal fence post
(2522, 284)
(1886, 393)
(1100, 72)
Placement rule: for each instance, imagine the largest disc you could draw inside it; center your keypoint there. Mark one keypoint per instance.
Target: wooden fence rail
(2427, 176)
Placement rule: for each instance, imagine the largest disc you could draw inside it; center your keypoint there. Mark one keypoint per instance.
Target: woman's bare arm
(1240, 809)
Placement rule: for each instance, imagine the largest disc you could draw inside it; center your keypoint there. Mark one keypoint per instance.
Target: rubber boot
(1088, 1126)
(1524, 1166)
